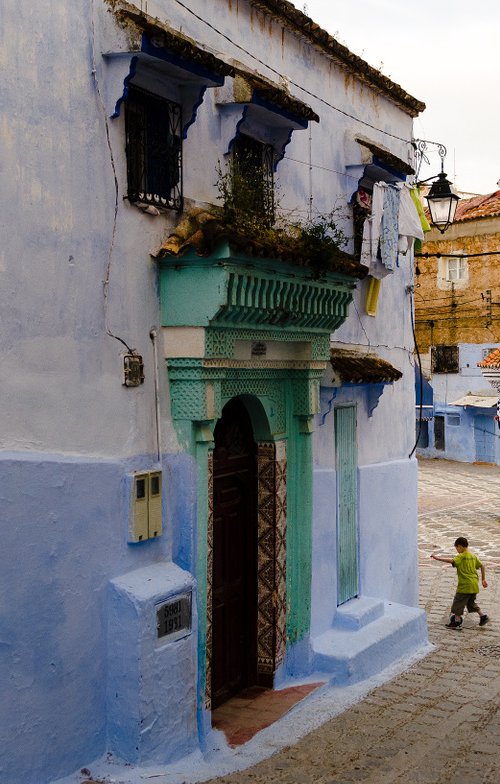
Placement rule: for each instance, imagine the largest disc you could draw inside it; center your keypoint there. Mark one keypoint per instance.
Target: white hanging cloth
(410, 226)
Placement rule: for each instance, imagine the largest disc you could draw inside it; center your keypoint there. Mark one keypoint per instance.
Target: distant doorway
(439, 438)
(234, 577)
(347, 505)
(484, 438)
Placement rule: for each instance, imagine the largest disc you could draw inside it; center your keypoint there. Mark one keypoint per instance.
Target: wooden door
(347, 503)
(234, 610)
(484, 438)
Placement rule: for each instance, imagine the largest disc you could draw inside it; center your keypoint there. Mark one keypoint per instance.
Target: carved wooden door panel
(234, 579)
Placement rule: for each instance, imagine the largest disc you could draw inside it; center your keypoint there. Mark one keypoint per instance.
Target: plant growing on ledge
(250, 214)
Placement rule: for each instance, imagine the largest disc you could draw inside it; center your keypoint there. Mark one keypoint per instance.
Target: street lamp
(441, 199)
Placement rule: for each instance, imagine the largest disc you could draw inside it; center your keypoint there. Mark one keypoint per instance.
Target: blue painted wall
(387, 499)
(64, 536)
(77, 280)
(462, 426)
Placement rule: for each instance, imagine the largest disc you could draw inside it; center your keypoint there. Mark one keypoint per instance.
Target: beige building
(458, 281)
(457, 325)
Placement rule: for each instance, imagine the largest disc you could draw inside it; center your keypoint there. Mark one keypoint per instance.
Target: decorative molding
(260, 298)
(271, 557)
(221, 342)
(265, 364)
(210, 566)
(199, 389)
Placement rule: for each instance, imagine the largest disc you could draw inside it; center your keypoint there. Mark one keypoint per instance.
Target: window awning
(259, 108)
(369, 163)
(385, 158)
(157, 54)
(353, 367)
(476, 401)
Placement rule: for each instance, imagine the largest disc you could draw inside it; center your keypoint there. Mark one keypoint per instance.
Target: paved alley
(439, 722)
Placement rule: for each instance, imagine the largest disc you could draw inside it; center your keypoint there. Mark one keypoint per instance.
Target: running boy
(466, 564)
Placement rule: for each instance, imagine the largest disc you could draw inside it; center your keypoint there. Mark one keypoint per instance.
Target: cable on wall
(420, 380)
(115, 178)
(299, 86)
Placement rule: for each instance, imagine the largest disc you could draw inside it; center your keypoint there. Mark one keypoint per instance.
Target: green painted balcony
(228, 289)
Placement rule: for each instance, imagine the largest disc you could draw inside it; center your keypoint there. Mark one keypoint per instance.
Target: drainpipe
(153, 334)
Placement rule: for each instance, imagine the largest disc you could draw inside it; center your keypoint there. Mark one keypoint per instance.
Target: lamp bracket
(420, 146)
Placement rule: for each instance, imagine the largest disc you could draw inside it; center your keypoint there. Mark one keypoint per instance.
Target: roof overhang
(163, 38)
(476, 401)
(305, 27)
(354, 367)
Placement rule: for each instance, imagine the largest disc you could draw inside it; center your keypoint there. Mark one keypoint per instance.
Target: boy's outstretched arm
(445, 560)
(484, 582)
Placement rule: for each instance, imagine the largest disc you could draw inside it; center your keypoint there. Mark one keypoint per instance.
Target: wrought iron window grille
(154, 149)
(253, 181)
(445, 359)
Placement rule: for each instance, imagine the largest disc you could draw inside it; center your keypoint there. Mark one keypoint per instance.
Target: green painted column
(203, 435)
(299, 518)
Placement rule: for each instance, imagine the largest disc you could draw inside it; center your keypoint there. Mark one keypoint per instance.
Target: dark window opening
(154, 149)
(253, 177)
(422, 434)
(444, 359)
(439, 440)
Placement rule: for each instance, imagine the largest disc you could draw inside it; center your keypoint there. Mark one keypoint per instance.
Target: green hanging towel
(415, 195)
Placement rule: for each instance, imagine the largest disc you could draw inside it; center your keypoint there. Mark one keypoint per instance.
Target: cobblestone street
(439, 722)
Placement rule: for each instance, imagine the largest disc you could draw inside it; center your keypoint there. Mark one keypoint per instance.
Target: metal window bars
(253, 180)
(154, 149)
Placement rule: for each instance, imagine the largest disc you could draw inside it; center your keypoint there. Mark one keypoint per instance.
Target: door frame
(271, 563)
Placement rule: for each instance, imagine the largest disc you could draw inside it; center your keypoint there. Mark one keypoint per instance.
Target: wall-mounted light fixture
(441, 199)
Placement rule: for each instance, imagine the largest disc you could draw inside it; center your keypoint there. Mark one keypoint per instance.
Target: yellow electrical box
(146, 511)
(154, 521)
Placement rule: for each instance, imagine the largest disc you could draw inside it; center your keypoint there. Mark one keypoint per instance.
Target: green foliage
(320, 241)
(250, 211)
(247, 199)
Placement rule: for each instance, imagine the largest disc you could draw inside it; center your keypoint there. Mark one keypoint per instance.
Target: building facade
(206, 435)
(456, 320)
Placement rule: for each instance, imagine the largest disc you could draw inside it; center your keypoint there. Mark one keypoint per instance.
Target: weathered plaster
(77, 280)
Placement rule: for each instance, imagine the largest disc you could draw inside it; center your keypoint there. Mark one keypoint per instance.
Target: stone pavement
(439, 722)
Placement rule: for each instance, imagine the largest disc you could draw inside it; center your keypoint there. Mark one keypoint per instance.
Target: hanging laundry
(410, 226)
(415, 195)
(372, 228)
(364, 199)
(390, 231)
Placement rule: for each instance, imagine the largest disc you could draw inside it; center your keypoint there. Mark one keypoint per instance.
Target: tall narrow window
(154, 149)
(253, 177)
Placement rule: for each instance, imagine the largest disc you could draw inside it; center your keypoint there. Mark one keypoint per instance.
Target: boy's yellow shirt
(467, 564)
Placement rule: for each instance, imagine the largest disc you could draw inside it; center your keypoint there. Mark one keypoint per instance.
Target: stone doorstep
(240, 719)
(353, 655)
(358, 612)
